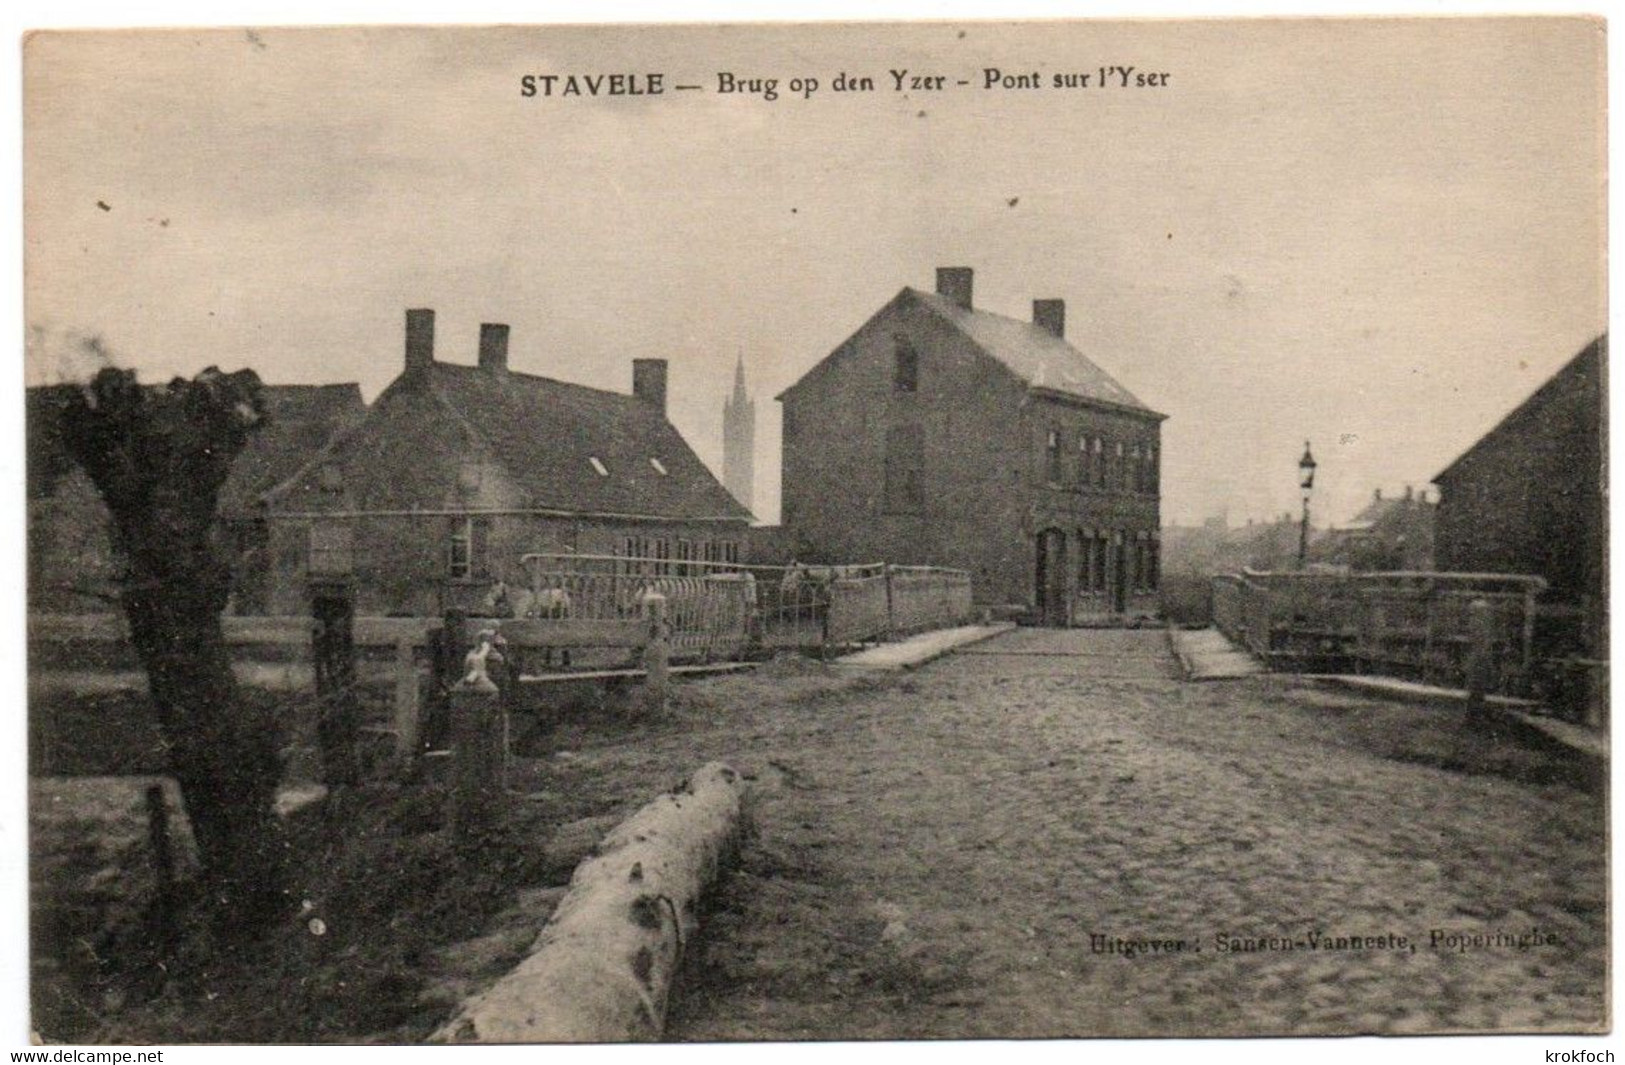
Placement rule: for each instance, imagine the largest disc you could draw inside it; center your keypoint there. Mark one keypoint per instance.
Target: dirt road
(1050, 835)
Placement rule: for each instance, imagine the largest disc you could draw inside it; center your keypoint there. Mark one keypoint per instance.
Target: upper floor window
(1098, 464)
(906, 368)
(905, 466)
(1052, 456)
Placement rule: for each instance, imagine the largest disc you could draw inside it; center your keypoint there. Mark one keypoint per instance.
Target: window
(685, 555)
(1102, 546)
(906, 371)
(1153, 475)
(1085, 471)
(660, 467)
(599, 466)
(1052, 456)
(1099, 463)
(905, 493)
(1115, 480)
(648, 555)
(468, 548)
(330, 477)
(332, 549)
(1153, 575)
(1134, 468)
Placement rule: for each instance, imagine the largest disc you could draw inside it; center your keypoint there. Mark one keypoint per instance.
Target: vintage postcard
(774, 532)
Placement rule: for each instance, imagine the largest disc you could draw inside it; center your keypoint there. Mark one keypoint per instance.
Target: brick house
(941, 434)
(72, 565)
(1391, 533)
(457, 471)
(1529, 497)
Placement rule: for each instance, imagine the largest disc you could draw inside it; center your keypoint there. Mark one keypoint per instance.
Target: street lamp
(1306, 481)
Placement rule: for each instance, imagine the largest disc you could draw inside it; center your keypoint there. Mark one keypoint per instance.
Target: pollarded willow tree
(159, 458)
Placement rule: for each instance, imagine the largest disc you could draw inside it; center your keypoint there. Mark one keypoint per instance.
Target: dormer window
(599, 466)
(659, 467)
(330, 478)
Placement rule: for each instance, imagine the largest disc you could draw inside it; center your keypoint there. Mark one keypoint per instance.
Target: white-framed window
(598, 466)
(1052, 456)
(332, 548)
(467, 548)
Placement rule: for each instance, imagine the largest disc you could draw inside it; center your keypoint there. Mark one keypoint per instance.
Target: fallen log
(601, 970)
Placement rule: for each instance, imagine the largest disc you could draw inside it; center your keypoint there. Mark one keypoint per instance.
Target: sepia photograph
(802, 532)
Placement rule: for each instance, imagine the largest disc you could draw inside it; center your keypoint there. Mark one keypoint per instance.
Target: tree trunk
(159, 459)
(602, 969)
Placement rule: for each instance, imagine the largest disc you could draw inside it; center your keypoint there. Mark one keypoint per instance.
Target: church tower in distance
(739, 440)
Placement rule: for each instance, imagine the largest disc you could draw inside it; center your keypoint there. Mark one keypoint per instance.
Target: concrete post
(406, 702)
(891, 608)
(1480, 651)
(478, 747)
(656, 652)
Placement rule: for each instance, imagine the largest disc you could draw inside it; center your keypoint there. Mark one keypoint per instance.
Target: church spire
(739, 438)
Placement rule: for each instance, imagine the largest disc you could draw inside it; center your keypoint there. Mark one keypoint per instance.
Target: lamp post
(1306, 481)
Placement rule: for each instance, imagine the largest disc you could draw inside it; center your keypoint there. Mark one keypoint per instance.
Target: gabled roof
(1584, 369)
(551, 437)
(301, 419)
(1033, 353)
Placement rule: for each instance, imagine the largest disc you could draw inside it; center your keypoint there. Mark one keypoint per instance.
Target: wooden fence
(1414, 626)
(585, 619)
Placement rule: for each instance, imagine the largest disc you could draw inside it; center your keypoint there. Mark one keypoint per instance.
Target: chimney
(1050, 316)
(953, 283)
(649, 382)
(1409, 495)
(494, 347)
(419, 342)
(1377, 496)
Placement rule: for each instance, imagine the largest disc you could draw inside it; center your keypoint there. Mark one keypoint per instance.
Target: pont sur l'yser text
(804, 86)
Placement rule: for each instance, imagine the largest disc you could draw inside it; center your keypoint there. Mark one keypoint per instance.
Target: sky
(1378, 236)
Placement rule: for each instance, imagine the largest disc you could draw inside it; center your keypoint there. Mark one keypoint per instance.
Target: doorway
(1120, 577)
(1049, 580)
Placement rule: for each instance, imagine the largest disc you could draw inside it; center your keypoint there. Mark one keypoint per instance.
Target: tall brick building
(941, 434)
(457, 471)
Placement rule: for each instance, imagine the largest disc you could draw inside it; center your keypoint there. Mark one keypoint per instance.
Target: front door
(1050, 579)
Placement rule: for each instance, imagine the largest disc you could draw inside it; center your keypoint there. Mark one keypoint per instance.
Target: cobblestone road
(956, 853)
